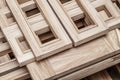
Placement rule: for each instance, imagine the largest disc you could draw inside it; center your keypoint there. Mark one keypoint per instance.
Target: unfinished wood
(87, 25)
(5, 52)
(98, 53)
(118, 67)
(6, 55)
(73, 10)
(103, 75)
(18, 74)
(116, 3)
(113, 72)
(10, 70)
(4, 58)
(112, 38)
(92, 69)
(108, 7)
(4, 66)
(22, 1)
(2, 4)
(12, 34)
(24, 26)
(41, 50)
(4, 46)
(36, 68)
(118, 33)
(33, 69)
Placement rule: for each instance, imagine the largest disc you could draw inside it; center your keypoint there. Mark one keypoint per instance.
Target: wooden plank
(4, 46)
(73, 10)
(116, 4)
(36, 68)
(4, 66)
(19, 74)
(118, 67)
(62, 39)
(92, 69)
(68, 65)
(4, 58)
(113, 72)
(24, 58)
(2, 4)
(80, 36)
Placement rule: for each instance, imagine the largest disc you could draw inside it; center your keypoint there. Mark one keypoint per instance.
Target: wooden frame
(74, 63)
(114, 15)
(4, 66)
(83, 35)
(23, 57)
(40, 50)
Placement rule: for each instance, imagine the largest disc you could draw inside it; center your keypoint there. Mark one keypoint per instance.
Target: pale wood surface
(85, 34)
(101, 43)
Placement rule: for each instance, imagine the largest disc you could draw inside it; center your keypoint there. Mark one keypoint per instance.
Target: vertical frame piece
(52, 37)
(85, 27)
(23, 25)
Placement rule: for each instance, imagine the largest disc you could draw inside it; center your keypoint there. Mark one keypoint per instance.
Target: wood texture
(58, 28)
(74, 59)
(94, 29)
(114, 19)
(40, 50)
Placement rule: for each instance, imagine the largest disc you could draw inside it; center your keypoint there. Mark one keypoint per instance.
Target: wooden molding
(83, 28)
(58, 39)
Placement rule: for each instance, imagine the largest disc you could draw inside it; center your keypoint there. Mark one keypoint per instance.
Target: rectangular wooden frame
(41, 51)
(114, 21)
(79, 37)
(12, 36)
(73, 64)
